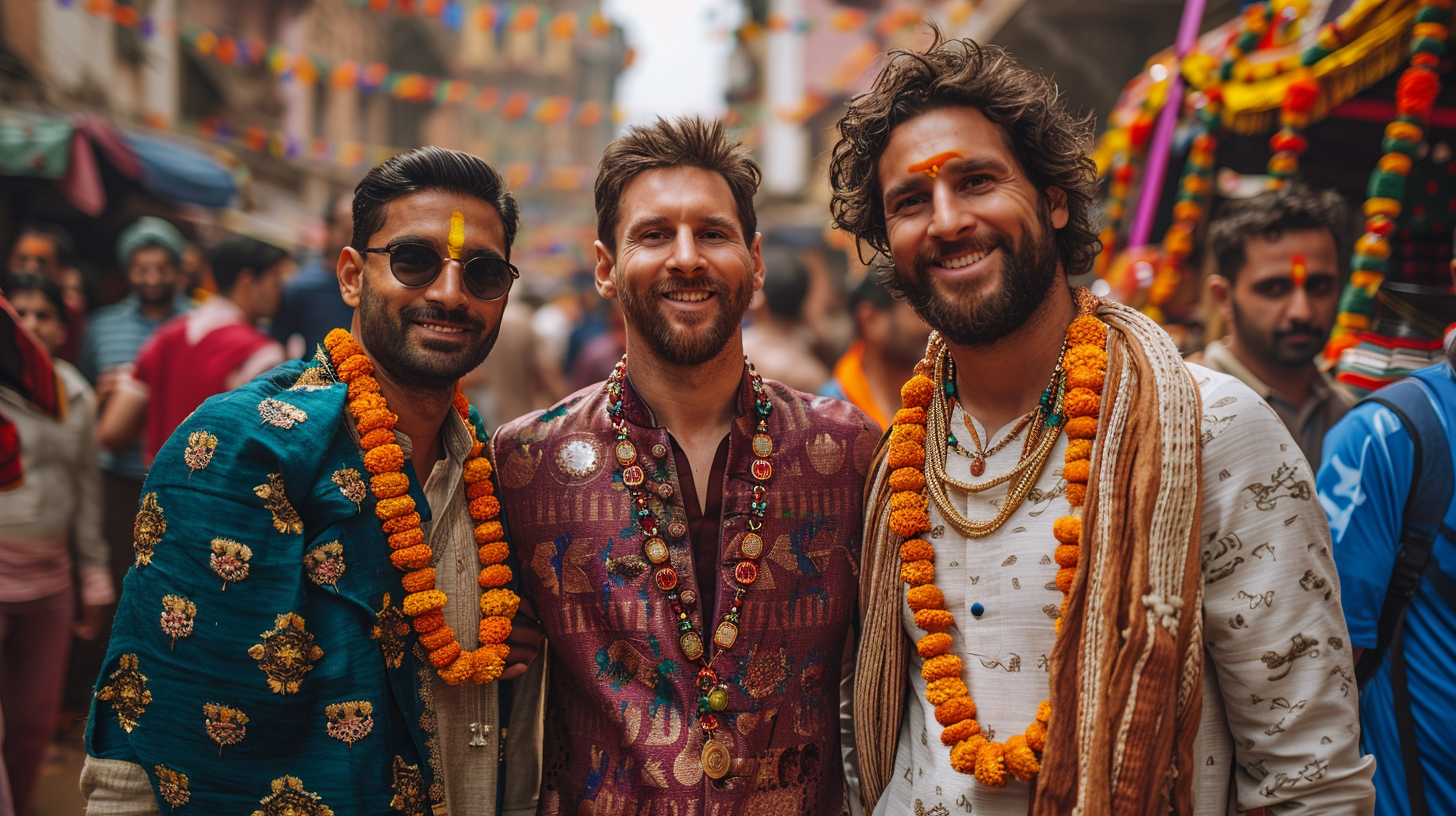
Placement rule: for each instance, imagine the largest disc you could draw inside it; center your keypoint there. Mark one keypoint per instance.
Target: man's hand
(525, 641)
(93, 616)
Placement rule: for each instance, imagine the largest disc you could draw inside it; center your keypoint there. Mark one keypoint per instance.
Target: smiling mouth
(966, 259)
(442, 328)
(688, 295)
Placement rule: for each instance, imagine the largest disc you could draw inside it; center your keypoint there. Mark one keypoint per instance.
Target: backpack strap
(1422, 520)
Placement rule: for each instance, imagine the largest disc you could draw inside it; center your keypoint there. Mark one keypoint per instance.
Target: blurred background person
(775, 338)
(49, 526)
(889, 340)
(47, 251)
(511, 382)
(312, 305)
(594, 362)
(211, 349)
(1277, 288)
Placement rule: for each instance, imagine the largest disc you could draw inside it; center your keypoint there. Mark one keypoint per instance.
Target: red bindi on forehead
(931, 166)
(1298, 270)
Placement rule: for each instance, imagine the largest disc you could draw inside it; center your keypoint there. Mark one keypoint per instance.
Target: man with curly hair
(1151, 622)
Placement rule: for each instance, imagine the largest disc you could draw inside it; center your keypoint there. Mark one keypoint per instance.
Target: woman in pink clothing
(47, 524)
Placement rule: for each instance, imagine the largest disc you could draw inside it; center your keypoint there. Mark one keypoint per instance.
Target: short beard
(1028, 271)
(1269, 346)
(419, 366)
(648, 317)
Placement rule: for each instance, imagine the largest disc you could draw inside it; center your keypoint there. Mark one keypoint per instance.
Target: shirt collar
(636, 411)
(1220, 357)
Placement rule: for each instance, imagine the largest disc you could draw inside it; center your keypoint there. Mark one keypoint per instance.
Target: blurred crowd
(198, 321)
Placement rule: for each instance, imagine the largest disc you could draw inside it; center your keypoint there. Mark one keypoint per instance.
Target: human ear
(350, 271)
(606, 287)
(1057, 198)
(1222, 290)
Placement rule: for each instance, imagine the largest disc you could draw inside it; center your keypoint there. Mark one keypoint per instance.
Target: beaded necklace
(712, 692)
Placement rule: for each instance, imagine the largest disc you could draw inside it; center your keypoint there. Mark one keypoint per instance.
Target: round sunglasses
(414, 265)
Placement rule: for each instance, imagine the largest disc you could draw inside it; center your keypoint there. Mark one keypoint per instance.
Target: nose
(448, 288)
(1298, 307)
(950, 218)
(686, 257)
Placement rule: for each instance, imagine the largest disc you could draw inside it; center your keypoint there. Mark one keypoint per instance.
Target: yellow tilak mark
(456, 242)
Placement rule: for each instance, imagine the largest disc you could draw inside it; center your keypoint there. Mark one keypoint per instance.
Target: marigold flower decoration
(992, 763)
(401, 524)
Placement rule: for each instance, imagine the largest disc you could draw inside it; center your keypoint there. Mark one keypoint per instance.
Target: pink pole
(1157, 166)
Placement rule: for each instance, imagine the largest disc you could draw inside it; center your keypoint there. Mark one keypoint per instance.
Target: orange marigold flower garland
(992, 763)
(401, 524)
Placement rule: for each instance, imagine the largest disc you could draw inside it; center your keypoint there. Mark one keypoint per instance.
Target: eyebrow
(650, 221)
(955, 166)
(469, 252)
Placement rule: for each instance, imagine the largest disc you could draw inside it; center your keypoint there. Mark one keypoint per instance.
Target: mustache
(434, 314)
(983, 244)
(1300, 328)
(671, 286)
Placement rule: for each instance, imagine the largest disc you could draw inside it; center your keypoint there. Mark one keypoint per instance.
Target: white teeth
(964, 260)
(442, 329)
(689, 296)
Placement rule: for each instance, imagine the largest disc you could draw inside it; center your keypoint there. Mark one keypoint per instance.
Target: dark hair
(685, 142)
(870, 290)
(430, 168)
(59, 238)
(785, 282)
(1270, 214)
(1051, 144)
(26, 282)
(230, 256)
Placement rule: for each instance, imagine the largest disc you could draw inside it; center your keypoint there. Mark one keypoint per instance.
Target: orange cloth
(850, 373)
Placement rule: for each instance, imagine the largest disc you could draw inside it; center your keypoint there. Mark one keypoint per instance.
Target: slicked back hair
(686, 142)
(1291, 208)
(1051, 144)
(430, 168)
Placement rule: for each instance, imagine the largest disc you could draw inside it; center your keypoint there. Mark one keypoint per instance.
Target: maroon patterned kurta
(622, 735)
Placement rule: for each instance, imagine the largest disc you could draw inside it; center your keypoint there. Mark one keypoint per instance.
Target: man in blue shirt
(1363, 483)
(312, 305)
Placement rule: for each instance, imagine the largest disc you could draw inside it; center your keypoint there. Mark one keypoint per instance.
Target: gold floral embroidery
(390, 630)
(286, 654)
(351, 485)
(200, 447)
(325, 564)
(313, 378)
(172, 786)
(177, 616)
(226, 726)
(409, 788)
(127, 692)
(285, 518)
(290, 799)
(280, 414)
(429, 723)
(230, 560)
(147, 532)
(350, 721)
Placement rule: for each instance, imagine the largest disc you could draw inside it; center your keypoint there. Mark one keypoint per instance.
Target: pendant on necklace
(477, 735)
(978, 466)
(716, 759)
(692, 644)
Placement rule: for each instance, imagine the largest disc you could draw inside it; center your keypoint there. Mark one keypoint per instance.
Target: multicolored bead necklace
(712, 692)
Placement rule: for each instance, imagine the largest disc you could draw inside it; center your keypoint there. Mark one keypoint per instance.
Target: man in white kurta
(1271, 609)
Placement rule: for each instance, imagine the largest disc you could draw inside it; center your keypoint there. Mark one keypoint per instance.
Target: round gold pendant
(716, 759)
(762, 445)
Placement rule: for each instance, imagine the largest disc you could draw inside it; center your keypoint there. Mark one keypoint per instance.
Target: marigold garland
(400, 522)
(992, 763)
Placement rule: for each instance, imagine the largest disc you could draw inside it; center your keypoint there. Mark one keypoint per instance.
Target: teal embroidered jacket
(260, 662)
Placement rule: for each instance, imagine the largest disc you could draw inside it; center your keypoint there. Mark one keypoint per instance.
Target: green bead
(1367, 263)
(717, 699)
(1428, 45)
(1433, 14)
(1389, 145)
(950, 440)
(1386, 185)
(1054, 420)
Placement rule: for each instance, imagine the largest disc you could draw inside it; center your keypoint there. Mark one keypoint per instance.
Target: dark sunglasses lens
(488, 278)
(414, 265)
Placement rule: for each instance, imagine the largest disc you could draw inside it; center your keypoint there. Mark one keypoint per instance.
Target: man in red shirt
(214, 348)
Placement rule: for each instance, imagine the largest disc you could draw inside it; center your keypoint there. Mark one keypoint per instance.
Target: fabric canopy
(178, 172)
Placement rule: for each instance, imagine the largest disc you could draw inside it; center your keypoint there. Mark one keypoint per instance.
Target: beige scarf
(1131, 649)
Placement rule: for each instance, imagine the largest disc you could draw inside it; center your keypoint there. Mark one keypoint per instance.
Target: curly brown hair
(1051, 144)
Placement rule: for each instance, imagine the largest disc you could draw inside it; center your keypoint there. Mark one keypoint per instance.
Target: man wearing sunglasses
(302, 629)
(688, 531)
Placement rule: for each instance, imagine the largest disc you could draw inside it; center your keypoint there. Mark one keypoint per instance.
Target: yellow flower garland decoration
(1085, 365)
(396, 510)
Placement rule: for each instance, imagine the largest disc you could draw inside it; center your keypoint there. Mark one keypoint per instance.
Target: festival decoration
(396, 509)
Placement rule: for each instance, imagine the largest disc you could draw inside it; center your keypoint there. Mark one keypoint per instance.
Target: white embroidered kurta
(1279, 699)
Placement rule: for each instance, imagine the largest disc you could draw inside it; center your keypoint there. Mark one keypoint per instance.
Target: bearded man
(688, 531)
(1095, 580)
(287, 639)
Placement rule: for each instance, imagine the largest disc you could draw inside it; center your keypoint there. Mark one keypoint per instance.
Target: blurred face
(259, 295)
(1282, 304)
(39, 317)
(683, 270)
(35, 255)
(898, 331)
(154, 275)
(429, 336)
(972, 240)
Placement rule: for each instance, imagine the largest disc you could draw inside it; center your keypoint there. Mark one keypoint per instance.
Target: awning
(178, 172)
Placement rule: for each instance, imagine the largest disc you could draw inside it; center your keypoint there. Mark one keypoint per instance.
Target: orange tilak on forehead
(1298, 271)
(455, 243)
(931, 166)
